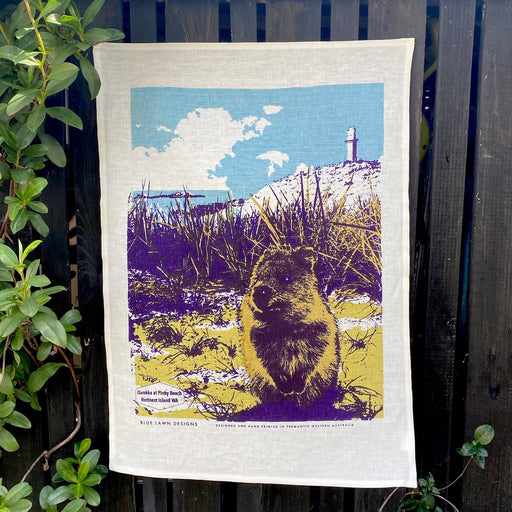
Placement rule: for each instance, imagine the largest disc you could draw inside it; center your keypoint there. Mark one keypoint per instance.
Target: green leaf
(71, 317)
(50, 328)
(22, 395)
(73, 345)
(484, 434)
(43, 499)
(39, 377)
(90, 74)
(8, 256)
(100, 35)
(16, 493)
(66, 115)
(80, 449)
(92, 496)
(5, 276)
(91, 12)
(83, 471)
(71, 22)
(20, 100)
(22, 175)
(78, 490)
(21, 506)
(61, 77)
(481, 451)
(6, 408)
(92, 458)
(38, 206)
(39, 224)
(32, 246)
(92, 479)
(6, 386)
(39, 281)
(19, 219)
(44, 350)
(32, 269)
(29, 306)
(51, 6)
(18, 340)
(36, 118)
(66, 471)
(60, 494)
(55, 151)
(24, 137)
(7, 134)
(18, 56)
(479, 461)
(16, 419)
(42, 295)
(35, 150)
(467, 449)
(74, 506)
(8, 293)
(408, 504)
(61, 54)
(8, 441)
(10, 323)
(32, 189)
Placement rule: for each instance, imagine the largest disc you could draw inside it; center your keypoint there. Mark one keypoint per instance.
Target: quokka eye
(287, 278)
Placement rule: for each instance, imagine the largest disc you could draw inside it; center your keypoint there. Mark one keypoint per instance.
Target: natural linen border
(255, 240)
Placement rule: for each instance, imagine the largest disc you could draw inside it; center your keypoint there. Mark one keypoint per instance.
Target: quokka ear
(309, 255)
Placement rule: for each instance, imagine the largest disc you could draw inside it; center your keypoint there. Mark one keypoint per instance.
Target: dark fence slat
(285, 498)
(344, 20)
(142, 21)
(331, 498)
(293, 20)
(196, 496)
(117, 493)
(249, 497)
(489, 388)
(388, 19)
(243, 20)
(445, 214)
(192, 21)
(154, 492)
(32, 443)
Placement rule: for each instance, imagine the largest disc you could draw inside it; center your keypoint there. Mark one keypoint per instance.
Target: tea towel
(255, 241)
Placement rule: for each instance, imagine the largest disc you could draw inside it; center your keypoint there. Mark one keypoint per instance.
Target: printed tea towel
(255, 248)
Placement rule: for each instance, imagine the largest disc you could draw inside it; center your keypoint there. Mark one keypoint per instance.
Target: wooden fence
(461, 243)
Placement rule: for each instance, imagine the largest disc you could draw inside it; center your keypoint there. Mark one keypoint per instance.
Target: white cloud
(272, 109)
(203, 139)
(274, 158)
(163, 129)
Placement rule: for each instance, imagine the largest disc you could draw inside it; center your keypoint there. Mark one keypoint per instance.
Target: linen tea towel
(255, 249)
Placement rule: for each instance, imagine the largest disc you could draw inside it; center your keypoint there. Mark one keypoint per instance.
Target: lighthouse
(351, 143)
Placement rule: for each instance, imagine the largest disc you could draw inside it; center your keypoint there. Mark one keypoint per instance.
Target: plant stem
(447, 501)
(3, 358)
(47, 453)
(38, 36)
(71, 369)
(381, 508)
(460, 476)
(4, 33)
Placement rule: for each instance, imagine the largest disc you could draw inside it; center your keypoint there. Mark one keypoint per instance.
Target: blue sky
(243, 139)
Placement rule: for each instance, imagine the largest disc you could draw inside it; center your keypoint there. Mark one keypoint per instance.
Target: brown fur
(289, 334)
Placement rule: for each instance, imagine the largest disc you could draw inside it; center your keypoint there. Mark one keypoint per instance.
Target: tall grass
(207, 246)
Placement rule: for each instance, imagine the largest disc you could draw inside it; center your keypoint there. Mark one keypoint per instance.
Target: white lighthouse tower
(351, 144)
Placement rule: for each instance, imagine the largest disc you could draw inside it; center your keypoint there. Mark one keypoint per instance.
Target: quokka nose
(261, 296)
